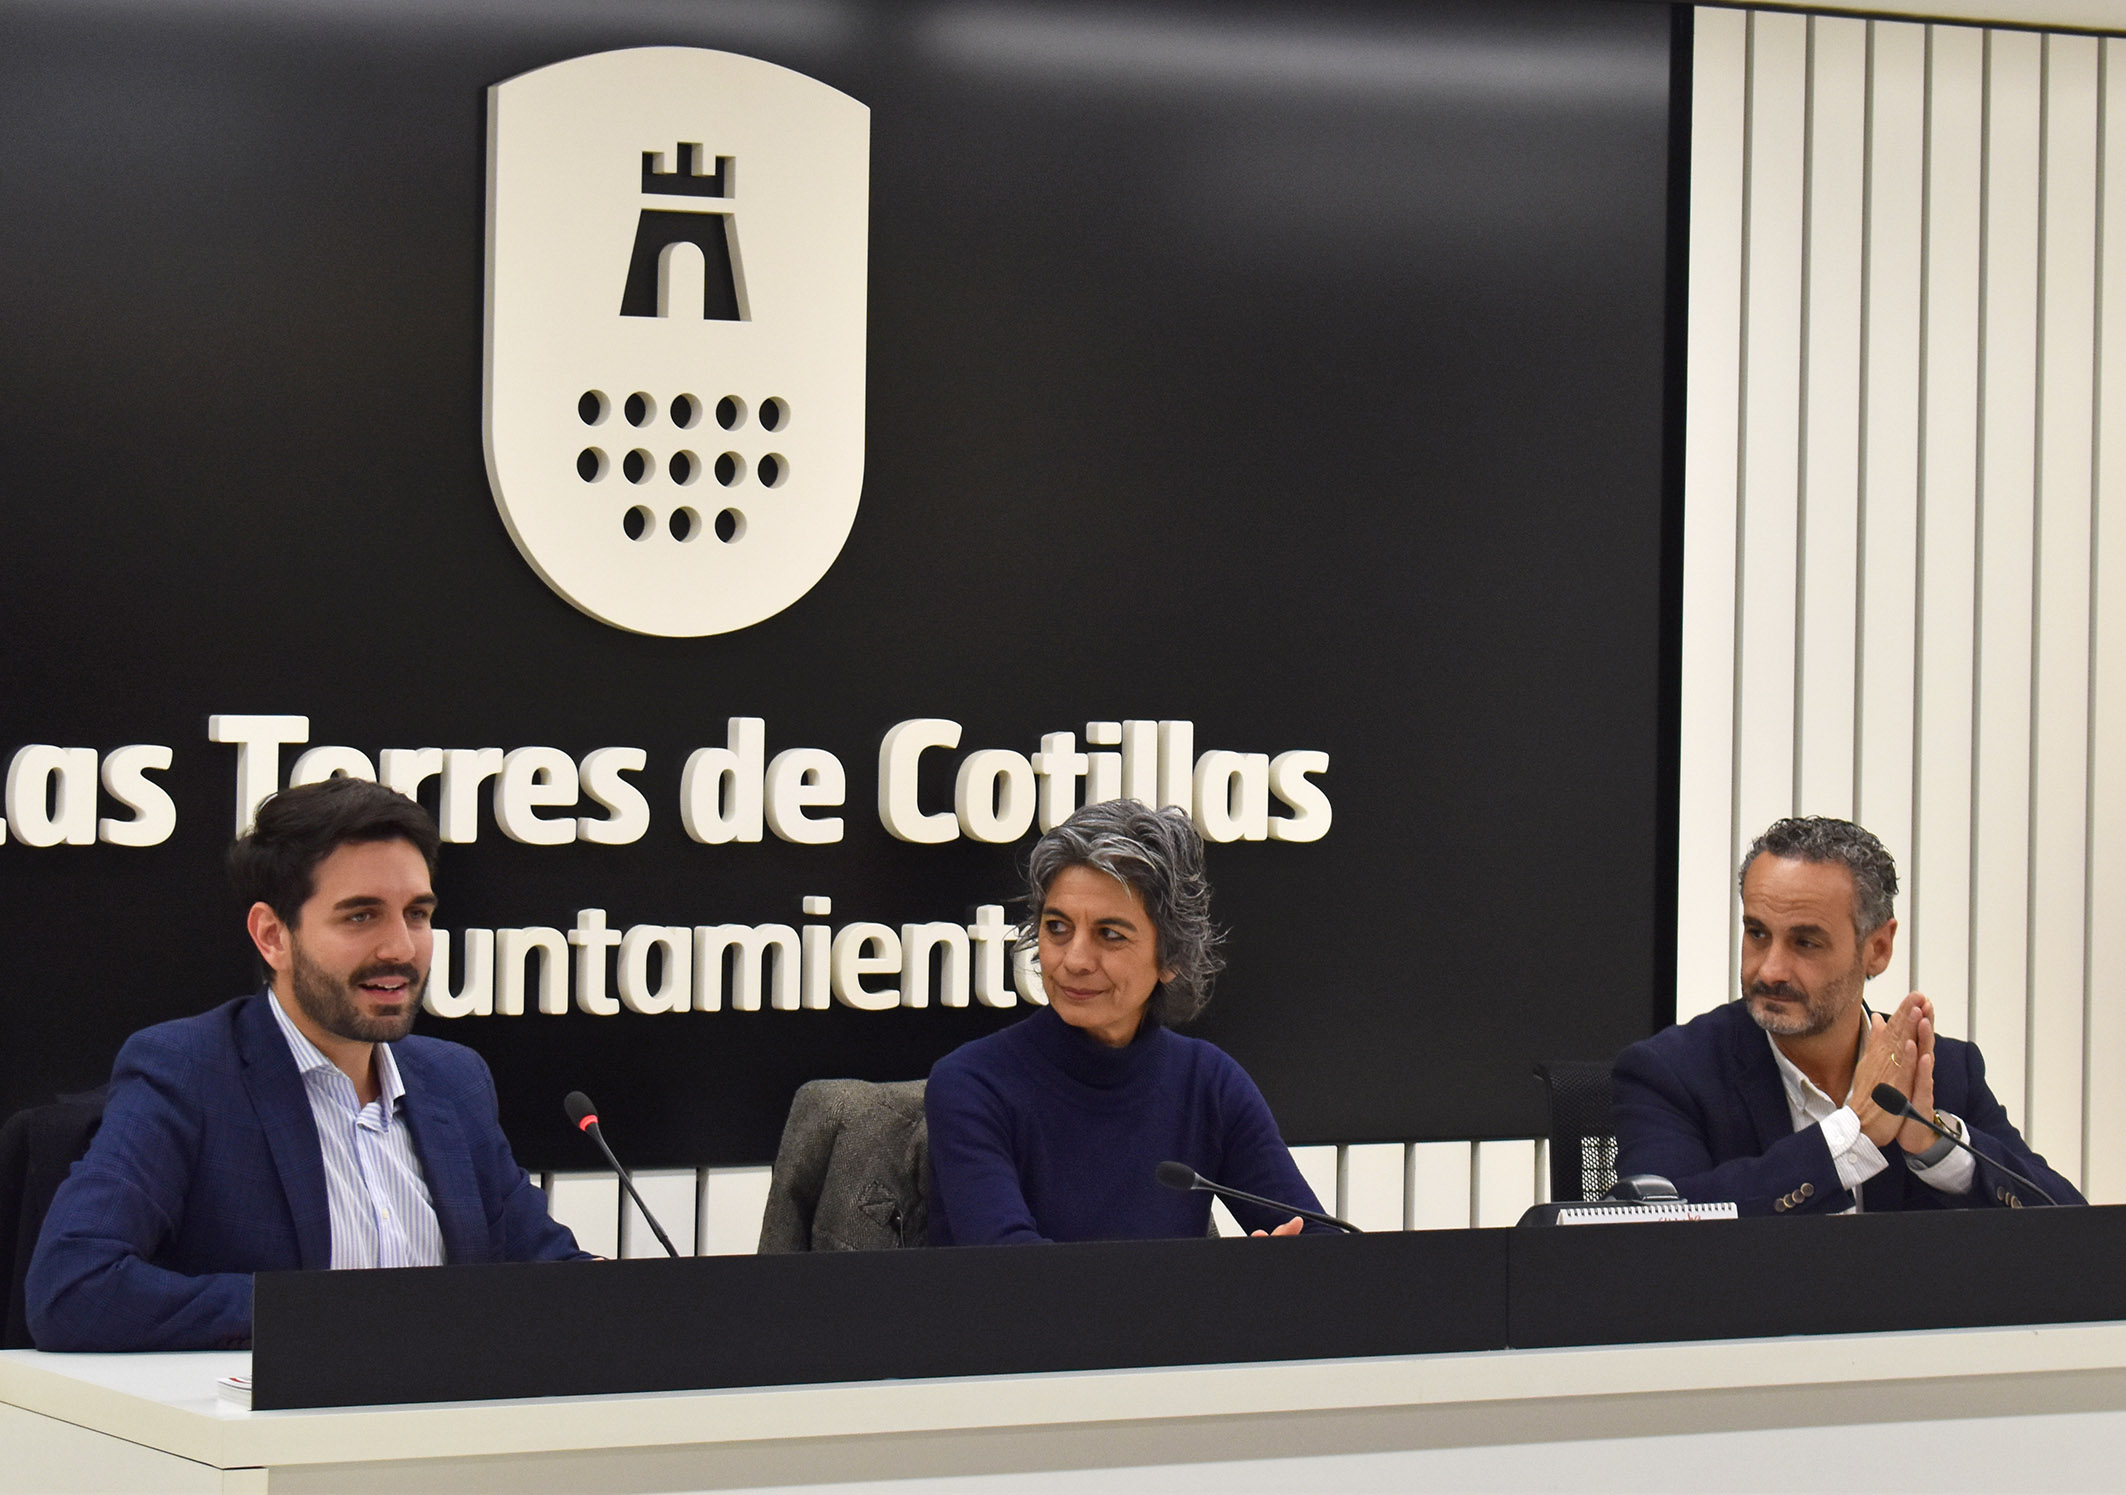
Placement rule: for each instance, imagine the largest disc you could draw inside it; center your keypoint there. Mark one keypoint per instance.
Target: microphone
(1891, 1099)
(585, 1115)
(1184, 1178)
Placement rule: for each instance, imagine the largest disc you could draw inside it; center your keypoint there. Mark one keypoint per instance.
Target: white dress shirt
(374, 1187)
(1852, 1154)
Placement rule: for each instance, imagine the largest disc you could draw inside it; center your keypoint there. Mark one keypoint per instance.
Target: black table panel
(1741, 1279)
(328, 1339)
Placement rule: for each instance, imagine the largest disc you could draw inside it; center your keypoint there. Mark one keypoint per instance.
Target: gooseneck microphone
(585, 1115)
(1891, 1099)
(1182, 1177)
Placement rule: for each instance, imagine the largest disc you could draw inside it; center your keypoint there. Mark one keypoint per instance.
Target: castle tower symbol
(660, 231)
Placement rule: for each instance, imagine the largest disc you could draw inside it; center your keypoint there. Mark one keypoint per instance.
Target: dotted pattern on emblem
(682, 466)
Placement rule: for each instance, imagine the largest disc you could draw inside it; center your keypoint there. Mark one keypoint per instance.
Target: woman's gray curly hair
(1159, 854)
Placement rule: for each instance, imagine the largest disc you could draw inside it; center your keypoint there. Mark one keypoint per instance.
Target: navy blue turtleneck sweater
(1040, 1133)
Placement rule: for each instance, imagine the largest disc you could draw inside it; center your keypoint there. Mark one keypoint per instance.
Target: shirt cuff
(1954, 1174)
(1852, 1154)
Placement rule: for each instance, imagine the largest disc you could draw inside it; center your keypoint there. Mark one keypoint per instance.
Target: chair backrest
(38, 1147)
(851, 1168)
(1583, 1132)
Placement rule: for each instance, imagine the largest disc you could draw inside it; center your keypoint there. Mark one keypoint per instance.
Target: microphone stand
(587, 1122)
(1181, 1176)
(1893, 1100)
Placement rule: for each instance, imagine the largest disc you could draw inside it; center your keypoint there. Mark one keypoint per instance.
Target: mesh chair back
(1583, 1133)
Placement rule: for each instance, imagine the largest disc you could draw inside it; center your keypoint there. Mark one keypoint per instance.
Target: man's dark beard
(331, 1005)
(1809, 1022)
(1817, 1013)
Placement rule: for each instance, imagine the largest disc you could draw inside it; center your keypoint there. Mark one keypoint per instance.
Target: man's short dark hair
(1818, 838)
(275, 862)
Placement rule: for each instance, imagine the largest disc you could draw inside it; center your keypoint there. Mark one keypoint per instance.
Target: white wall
(1902, 597)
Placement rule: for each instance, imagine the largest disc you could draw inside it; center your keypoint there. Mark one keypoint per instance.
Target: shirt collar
(309, 1058)
(1800, 1089)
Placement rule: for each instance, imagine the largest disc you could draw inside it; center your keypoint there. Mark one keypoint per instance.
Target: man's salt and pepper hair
(1159, 854)
(1817, 838)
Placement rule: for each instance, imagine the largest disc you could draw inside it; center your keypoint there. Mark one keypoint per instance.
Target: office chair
(851, 1169)
(38, 1147)
(1583, 1133)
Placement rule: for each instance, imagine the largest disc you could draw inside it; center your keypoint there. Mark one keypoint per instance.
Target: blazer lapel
(446, 1162)
(1754, 1074)
(283, 1109)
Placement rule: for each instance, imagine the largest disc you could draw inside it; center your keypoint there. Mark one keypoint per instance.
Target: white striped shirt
(374, 1188)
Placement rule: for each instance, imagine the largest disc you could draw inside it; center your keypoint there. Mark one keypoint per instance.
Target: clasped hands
(1900, 1052)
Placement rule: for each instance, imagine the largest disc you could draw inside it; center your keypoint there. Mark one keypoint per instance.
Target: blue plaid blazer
(208, 1169)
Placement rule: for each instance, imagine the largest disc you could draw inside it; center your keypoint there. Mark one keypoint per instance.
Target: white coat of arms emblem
(676, 257)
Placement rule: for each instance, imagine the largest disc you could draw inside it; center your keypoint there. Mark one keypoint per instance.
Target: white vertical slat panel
(1771, 421)
(1317, 1165)
(1889, 502)
(1503, 1183)
(1705, 851)
(1986, 635)
(1436, 1187)
(1828, 504)
(2000, 892)
(1937, 905)
(589, 1205)
(671, 1194)
(2060, 685)
(1222, 1220)
(2104, 1121)
(1375, 1173)
(732, 1202)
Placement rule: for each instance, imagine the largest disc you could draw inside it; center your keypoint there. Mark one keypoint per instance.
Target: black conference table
(1391, 1353)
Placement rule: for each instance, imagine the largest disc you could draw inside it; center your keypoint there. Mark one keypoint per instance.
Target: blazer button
(1782, 1203)
(1808, 1191)
(2015, 1201)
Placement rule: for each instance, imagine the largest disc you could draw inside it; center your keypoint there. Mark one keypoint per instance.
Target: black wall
(1297, 369)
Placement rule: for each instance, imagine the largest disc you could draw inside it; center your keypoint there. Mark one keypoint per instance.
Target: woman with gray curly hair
(1052, 1129)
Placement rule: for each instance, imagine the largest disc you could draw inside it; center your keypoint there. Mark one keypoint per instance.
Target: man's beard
(332, 1006)
(1818, 1010)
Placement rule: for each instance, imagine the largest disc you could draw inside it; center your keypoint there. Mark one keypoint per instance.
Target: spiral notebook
(1603, 1213)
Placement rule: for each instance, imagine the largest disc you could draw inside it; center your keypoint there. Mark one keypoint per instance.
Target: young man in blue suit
(1769, 1102)
(298, 1128)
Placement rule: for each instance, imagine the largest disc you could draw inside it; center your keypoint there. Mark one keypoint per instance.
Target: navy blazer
(208, 1169)
(1702, 1104)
